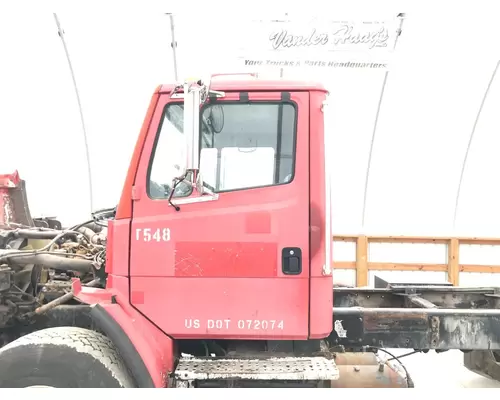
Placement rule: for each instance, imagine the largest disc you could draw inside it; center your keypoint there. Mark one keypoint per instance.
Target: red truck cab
(217, 267)
(250, 257)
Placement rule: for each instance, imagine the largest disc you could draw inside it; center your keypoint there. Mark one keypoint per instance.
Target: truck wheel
(62, 357)
(483, 362)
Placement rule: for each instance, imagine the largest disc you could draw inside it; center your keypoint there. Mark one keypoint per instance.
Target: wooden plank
(362, 261)
(387, 266)
(407, 267)
(341, 238)
(373, 266)
(344, 265)
(485, 269)
(453, 258)
(407, 239)
(419, 239)
(479, 241)
(453, 267)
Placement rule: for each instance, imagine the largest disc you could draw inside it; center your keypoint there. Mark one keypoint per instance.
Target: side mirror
(192, 124)
(182, 158)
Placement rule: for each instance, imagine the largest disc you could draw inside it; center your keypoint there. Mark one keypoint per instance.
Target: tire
(485, 363)
(62, 357)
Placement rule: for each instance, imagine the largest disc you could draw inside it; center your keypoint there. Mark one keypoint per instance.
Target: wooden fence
(453, 267)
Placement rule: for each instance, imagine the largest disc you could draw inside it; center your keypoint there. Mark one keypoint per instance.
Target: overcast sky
(444, 60)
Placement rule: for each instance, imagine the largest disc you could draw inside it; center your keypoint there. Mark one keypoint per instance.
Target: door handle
(291, 261)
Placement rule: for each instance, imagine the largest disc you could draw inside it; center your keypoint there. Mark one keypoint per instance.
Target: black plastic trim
(124, 345)
(286, 254)
(244, 97)
(285, 96)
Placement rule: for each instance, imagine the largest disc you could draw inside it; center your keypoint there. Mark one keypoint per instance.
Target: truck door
(235, 265)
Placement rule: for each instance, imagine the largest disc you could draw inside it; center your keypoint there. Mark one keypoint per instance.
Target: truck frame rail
(416, 316)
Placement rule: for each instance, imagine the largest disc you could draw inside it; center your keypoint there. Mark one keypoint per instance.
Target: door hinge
(136, 193)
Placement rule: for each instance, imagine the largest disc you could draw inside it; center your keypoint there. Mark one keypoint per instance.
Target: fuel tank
(367, 370)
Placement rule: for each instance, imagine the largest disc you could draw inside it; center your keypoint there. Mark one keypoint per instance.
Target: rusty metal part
(356, 358)
(92, 236)
(54, 303)
(13, 201)
(483, 362)
(47, 222)
(416, 328)
(417, 317)
(94, 283)
(5, 278)
(14, 208)
(36, 234)
(264, 369)
(52, 261)
(367, 370)
(368, 376)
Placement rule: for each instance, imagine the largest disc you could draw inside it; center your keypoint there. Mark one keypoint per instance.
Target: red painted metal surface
(226, 84)
(10, 180)
(155, 348)
(217, 277)
(124, 208)
(321, 300)
(118, 247)
(7, 211)
(220, 274)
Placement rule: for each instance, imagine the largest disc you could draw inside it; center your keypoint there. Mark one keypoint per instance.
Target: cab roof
(256, 85)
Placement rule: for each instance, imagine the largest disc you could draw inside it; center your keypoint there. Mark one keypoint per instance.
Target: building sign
(320, 44)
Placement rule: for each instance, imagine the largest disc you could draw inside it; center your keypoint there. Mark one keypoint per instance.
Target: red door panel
(214, 268)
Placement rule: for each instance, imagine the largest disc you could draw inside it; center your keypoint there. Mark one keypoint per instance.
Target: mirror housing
(194, 95)
(192, 101)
